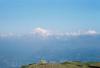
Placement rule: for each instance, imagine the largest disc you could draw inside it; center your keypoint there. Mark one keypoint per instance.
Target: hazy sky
(22, 16)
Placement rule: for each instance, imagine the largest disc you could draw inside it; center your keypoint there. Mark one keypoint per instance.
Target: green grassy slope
(64, 65)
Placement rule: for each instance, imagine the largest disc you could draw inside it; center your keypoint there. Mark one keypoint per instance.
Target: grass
(65, 65)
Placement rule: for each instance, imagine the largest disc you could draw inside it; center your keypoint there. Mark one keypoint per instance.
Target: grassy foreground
(65, 65)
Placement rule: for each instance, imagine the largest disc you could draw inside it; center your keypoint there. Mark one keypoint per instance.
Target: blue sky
(22, 16)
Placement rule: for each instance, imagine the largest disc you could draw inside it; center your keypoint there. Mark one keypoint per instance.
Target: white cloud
(41, 31)
(78, 33)
(45, 33)
(91, 32)
(6, 34)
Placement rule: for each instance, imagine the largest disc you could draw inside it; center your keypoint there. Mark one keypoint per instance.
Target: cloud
(6, 34)
(86, 32)
(50, 34)
(47, 33)
(91, 32)
(41, 31)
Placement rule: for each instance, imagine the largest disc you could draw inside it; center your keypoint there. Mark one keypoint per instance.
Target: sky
(71, 27)
(22, 16)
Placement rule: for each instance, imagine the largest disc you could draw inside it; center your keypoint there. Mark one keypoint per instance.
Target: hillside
(65, 65)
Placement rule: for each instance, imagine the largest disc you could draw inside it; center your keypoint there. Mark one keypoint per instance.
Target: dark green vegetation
(74, 64)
